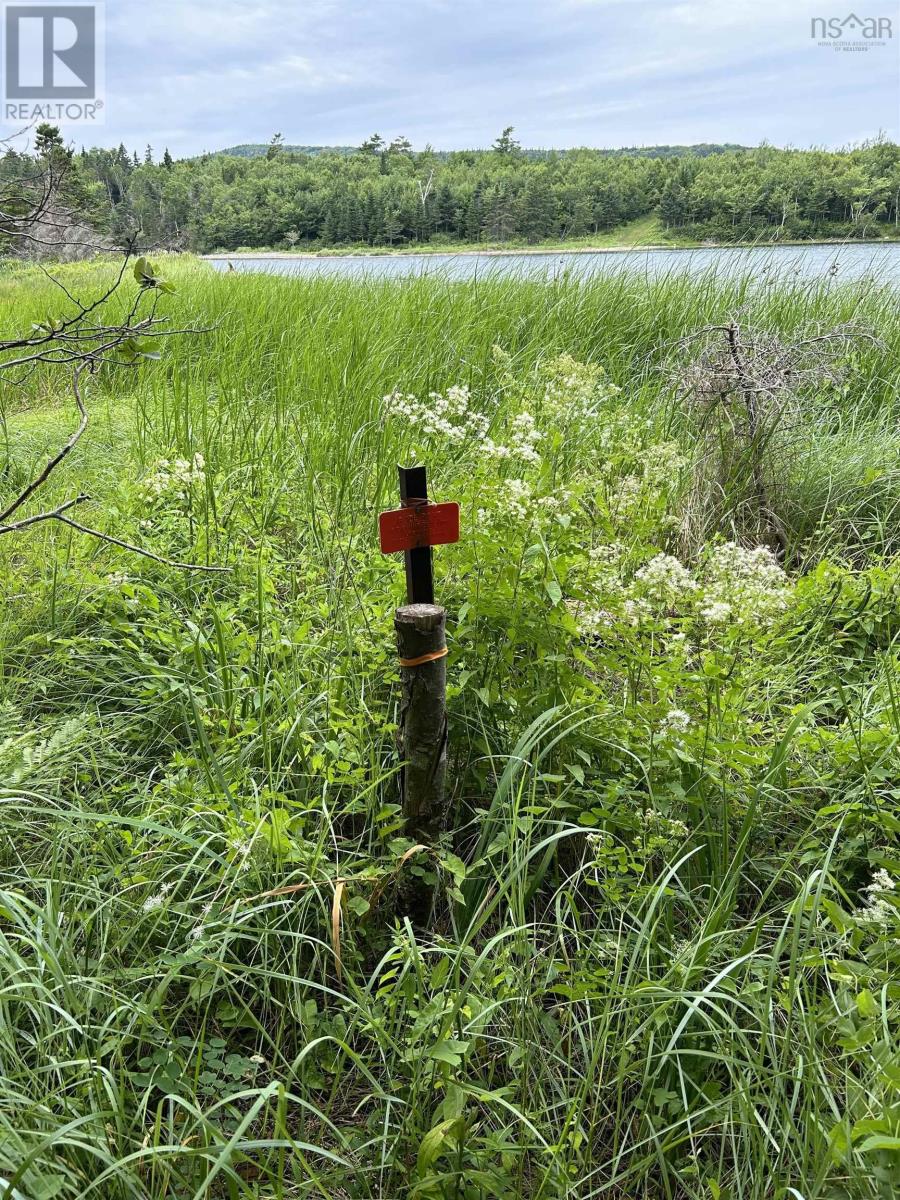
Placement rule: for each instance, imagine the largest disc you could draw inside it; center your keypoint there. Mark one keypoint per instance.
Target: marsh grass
(650, 973)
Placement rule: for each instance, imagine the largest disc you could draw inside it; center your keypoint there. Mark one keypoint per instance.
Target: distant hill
(701, 150)
(258, 150)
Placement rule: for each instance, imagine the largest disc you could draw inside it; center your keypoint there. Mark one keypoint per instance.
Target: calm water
(808, 262)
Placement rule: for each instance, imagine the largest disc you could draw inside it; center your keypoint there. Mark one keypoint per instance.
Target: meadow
(663, 956)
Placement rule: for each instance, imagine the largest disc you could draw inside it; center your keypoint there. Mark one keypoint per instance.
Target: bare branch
(57, 458)
(58, 514)
(158, 558)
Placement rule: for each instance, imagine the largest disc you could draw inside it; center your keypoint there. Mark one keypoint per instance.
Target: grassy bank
(663, 959)
(644, 233)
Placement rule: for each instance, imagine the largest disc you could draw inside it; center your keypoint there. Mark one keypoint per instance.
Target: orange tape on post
(426, 658)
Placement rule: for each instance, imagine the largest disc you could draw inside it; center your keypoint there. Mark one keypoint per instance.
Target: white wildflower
(665, 580)
(717, 613)
(590, 621)
(659, 825)
(877, 910)
(525, 436)
(573, 389)
(176, 476)
(448, 415)
(606, 554)
(662, 463)
(517, 497)
(746, 586)
(676, 721)
(157, 901)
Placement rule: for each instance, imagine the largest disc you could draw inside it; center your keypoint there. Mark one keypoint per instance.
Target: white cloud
(453, 72)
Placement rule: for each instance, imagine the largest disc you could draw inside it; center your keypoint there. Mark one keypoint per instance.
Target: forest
(388, 194)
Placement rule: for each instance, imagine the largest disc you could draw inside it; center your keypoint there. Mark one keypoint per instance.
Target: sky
(198, 75)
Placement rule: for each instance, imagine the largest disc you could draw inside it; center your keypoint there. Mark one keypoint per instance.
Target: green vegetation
(663, 961)
(644, 231)
(389, 195)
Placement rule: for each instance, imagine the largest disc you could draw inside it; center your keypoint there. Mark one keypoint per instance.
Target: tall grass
(207, 987)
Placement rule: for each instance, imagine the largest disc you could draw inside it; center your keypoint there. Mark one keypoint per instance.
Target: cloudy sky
(204, 74)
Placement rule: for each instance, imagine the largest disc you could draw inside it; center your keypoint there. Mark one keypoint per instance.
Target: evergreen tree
(537, 210)
(672, 207)
(498, 213)
(48, 141)
(506, 144)
(372, 145)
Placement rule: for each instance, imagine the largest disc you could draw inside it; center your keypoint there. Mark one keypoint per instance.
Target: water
(846, 262)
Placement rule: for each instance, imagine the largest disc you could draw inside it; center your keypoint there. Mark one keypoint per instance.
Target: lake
(849, 261)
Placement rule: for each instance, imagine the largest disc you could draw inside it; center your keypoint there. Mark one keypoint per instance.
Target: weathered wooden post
(422, 646)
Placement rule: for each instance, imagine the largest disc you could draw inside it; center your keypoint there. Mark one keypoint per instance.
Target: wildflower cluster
(665, 580)
(242, 850)
(200, 931)
(661, 832)
(877, 908)
(651, 472)
(625, 496)
(517, 497)
(523, 440)
(662, 463)
(744, 587)
(175, 476)
(591, 622)
(518, 501)
(574, 389)
(154, 902)
(735, 588)
(676, 722)
(449, 414)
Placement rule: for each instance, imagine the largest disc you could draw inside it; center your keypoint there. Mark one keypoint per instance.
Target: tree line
(388, 194)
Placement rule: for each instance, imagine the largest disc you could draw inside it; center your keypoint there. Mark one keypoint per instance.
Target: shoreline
(449, 252)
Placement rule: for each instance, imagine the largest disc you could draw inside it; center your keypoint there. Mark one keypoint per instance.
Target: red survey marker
(418, 526)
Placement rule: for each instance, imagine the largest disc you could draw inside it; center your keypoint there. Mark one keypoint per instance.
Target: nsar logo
(861, 32)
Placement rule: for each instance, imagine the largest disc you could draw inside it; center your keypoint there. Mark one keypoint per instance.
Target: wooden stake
(421, 632)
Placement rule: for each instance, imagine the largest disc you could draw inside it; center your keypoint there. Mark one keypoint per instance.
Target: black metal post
(419, 572)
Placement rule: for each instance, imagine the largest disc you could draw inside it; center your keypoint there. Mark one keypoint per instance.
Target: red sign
(418, 526)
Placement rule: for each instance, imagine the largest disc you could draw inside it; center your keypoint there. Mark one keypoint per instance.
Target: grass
(663, 957)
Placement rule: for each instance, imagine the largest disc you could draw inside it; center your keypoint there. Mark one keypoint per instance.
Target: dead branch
(80, 341)
(58, 514)
(57, 458)
(748, 386)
